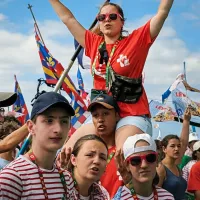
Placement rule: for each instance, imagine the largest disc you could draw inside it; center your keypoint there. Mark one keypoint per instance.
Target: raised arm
(12, 140)
(76, 29)
(184, 137)
(158, 20)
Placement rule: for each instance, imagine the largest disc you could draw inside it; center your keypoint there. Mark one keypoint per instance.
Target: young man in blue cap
(34, 175)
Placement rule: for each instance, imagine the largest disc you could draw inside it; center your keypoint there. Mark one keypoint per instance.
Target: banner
(161, 112)
(181, 102)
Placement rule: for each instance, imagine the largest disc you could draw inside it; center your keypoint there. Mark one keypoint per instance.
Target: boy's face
(50, 129)
(104, 120)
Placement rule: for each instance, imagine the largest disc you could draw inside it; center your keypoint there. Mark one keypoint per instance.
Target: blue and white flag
(80, 57)
(166, 94)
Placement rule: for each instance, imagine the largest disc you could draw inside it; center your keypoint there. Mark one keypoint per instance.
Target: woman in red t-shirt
(126, 56)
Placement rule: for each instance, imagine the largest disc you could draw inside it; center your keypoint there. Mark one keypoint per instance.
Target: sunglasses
(137, 160)
(111, 16)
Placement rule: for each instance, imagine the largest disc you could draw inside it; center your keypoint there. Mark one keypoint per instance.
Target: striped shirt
(187, 168)
(125, 194)
(20, 180)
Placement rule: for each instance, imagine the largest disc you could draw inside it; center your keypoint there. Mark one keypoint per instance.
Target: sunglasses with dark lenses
(112, 16)
(137, 160)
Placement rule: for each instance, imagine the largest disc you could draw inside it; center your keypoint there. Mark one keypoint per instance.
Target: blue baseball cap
(48, 99)
(104, 100)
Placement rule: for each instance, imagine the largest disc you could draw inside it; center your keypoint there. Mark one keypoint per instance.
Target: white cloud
(190, 16)
(2, 17)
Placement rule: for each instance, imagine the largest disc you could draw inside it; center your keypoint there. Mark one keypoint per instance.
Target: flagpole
(184, 70)
(30, 8)
(25, 145)
(66, 71)
(28, 139)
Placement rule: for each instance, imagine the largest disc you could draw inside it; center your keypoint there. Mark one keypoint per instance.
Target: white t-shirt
(84, 198)
(187, 168)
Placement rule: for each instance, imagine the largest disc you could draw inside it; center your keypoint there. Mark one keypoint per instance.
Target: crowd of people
(115, 156)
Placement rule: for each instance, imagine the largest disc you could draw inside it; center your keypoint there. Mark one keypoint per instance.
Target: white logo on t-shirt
(123, 60)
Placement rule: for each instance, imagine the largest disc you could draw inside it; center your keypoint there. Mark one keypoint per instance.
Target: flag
(161, 112)
(20, 106)
(82, 92)
(166, 94)
(80, 115)
(80, 56)
(53, 71)
(179, 79)
(181, 102)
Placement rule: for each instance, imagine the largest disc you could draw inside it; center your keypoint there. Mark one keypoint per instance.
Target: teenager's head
(196, 151)
(104, 110)
(193, 137)
(50, 121)
(171, 146)
(89, 158)
(8, 125)
(141, 158)
(111, 19)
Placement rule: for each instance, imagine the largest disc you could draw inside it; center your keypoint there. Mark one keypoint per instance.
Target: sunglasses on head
(137, 160)
(111, 16)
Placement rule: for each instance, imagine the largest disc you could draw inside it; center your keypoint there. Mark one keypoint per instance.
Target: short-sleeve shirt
(187, 168)
(194, 178)
(128, 60)
(111, 179)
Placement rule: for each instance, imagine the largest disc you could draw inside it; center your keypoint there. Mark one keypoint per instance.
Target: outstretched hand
(121, 167)
(63, 158)
(187, 114)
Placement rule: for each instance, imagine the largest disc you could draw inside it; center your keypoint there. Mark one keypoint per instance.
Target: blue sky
(177, 42)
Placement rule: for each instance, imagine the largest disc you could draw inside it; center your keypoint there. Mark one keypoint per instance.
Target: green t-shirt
(184, 161)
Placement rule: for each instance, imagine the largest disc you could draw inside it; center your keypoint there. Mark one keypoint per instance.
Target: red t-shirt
(194, 178)
(111, 179)
(128, 60)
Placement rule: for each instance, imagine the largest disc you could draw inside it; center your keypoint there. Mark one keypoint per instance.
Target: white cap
(193, 137)
(129, 145)
(196, 146)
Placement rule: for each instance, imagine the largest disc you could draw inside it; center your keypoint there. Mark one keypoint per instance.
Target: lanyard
(111, 155)
(62, 177)
(134, 195)
(108, 66)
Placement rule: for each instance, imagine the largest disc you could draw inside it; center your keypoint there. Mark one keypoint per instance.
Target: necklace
(134, 195)
(108, 66)
(111, 155)
(62, 178)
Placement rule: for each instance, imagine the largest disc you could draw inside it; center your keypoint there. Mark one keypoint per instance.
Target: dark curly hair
(8, 125)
